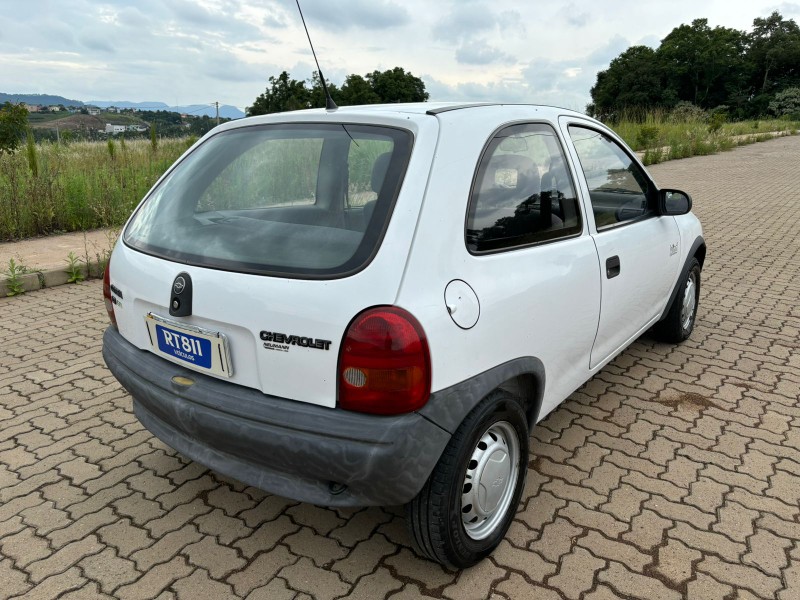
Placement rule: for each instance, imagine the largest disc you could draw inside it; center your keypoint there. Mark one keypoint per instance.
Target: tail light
(384, 363)
(107, 293)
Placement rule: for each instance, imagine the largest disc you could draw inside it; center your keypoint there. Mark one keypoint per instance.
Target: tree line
(743, 74)
(379, 87)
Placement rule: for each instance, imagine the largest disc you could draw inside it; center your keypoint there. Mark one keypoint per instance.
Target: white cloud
(188, 51)
(480, 53)
(574, 16)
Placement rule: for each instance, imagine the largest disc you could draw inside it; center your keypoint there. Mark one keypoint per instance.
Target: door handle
(612, 267)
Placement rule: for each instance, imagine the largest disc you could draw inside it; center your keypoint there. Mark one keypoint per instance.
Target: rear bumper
(288, 448)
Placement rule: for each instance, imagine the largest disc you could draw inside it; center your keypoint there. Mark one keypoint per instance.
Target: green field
(79, 186)
(86, 185)
(663, 135)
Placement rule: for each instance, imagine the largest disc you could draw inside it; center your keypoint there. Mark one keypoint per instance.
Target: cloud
(468, 21)
(96, 40)
(332, 16)
(465, 22)
(130, 16)
(191, 12)
(788, 10)
(480, 53)
(603, 55)
(503, 91)
(467, 25)
(275, 21)
(573, 16)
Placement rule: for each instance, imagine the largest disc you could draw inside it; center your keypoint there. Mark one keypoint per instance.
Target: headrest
(379, 171)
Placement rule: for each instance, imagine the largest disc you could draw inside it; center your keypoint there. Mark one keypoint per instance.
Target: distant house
(139, 128)
(93, 110)
(114, 129)
(55, 108)
(33, 108)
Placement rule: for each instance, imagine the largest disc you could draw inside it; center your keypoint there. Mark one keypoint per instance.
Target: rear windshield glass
(306, 200)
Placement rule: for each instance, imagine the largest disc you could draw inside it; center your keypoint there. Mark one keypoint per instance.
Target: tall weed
(79, 186)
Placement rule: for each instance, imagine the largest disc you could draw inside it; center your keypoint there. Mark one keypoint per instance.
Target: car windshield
(299, 200)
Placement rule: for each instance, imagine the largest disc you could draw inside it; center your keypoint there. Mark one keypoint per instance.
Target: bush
(686, 112)
(647, 136)
(716, 121)
(13, 126)
(786, 102)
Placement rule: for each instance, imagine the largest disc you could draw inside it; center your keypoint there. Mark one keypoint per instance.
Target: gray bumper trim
(288, 448)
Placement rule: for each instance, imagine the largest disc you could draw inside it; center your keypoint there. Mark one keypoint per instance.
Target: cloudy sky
(201, 51)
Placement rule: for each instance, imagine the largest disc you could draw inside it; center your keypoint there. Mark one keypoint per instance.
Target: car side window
(522, 193)
(618, 188)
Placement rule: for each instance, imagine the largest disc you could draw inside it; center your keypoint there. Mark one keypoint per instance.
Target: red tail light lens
(384, 363)
(107, 293)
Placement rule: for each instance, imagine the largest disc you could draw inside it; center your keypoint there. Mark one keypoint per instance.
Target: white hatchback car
(374, 305)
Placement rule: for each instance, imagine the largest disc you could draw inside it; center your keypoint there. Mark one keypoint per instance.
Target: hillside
(44, 99)
(226, 111)
(79, 121)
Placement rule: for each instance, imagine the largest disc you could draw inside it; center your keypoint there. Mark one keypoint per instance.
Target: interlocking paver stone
(674, 472)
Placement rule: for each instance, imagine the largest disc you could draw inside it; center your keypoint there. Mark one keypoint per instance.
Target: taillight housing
(384, 363)
(109, 302)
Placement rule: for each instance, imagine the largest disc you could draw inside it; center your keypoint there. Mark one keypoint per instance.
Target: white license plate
(193, 347)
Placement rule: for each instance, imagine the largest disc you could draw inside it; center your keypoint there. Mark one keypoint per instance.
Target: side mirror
(674, 202)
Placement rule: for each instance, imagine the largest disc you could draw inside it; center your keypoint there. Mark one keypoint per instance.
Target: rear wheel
(469, 501)
(679, 322)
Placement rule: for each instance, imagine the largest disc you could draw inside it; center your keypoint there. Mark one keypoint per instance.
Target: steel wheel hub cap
(689, 302)
(490, 480)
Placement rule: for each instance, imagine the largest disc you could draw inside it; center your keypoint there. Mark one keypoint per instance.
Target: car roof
(415, 111)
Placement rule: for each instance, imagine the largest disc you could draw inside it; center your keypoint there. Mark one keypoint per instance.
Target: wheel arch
(698, 251)
(523, 378)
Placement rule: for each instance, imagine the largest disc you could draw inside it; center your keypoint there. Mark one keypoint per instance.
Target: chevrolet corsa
(375, 305)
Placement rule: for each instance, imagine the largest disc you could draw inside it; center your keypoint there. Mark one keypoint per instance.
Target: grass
(663, 137)
(55, 188)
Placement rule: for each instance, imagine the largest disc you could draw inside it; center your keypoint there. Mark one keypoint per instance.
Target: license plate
(193, 347)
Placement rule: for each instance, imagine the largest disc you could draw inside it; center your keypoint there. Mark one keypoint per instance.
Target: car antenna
(329, 103)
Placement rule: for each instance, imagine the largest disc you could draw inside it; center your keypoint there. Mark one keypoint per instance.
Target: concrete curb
(37, 280)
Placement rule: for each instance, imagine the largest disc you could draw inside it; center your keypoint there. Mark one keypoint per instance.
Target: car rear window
(299, 200)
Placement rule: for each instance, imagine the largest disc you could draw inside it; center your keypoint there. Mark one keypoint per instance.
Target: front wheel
(679, 322)
(467, 505)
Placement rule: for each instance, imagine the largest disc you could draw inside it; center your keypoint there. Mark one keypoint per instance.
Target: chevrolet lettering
(294, 340)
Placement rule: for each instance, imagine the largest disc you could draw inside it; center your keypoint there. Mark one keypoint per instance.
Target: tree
(786, 102)
(357, 90)
(632, 80)
(317, 92)
(282, 94)
(708, 67)
(285, 93)
(703, 65)
(773, 59)
(13, 126)
(395, 85)
(774, 51)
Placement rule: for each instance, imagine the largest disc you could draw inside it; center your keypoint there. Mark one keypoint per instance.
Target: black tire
(436, 516)
(679, 322)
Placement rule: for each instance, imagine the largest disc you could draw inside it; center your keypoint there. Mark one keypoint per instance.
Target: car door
(637, 248)
(520, 277)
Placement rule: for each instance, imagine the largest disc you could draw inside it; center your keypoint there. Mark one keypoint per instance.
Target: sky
(201, 51)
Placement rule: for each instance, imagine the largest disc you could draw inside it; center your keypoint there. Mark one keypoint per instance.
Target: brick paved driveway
(674, 473)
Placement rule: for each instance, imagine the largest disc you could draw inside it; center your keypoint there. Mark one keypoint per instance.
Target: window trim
(238, 267)
(582, 222)
(652, 188)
